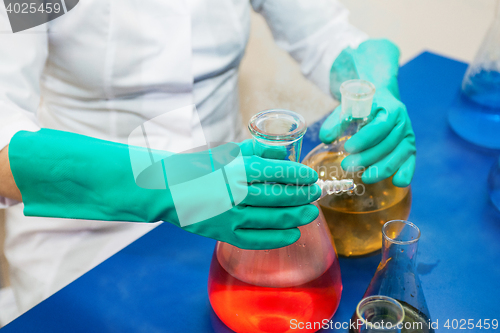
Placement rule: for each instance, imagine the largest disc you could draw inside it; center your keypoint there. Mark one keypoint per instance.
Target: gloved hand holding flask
(386, 146)
(66, 175)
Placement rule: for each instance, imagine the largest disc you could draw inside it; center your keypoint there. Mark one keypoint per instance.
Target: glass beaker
(378, 314)
(271, 290)
(477, 118)
(396, 275)
(494, 184)
(356, 218)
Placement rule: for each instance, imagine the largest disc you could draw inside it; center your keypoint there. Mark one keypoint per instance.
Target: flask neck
(277, 134)
(357, 98)
(400, 243)
(352, 125)
(403, 255)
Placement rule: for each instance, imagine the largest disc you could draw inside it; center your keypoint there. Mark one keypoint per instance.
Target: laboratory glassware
(356, 218)
(396, 275)
(263, 291)
(378, 314)
(494, 184)
(476, 118)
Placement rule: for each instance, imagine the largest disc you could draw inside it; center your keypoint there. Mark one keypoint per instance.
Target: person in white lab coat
(107, 67)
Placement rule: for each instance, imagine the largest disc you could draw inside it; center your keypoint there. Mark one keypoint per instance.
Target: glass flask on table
(397, 276)
(477, 117)
(356, 218)
(263, 290)
(378, 314)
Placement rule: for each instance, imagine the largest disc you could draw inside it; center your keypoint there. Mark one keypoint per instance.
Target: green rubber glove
(386, 146)
(67, 175)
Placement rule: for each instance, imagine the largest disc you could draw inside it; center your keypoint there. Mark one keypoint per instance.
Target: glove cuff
(375, 60)
(66, 175)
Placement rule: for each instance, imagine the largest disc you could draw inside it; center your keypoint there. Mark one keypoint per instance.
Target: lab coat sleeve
(313, 32)
(22, 59)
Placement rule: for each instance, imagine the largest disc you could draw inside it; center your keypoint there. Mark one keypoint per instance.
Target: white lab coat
(109, 65)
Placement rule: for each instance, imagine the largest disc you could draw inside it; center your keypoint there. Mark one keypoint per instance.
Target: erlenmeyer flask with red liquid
(276, 290)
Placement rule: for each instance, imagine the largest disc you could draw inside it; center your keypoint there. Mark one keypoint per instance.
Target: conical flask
(356, 218)
(277, 290)
(477, 117)
(397, 277)
(378, 314)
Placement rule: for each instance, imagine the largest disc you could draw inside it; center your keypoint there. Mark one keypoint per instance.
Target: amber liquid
(247, 308)
(356, 220)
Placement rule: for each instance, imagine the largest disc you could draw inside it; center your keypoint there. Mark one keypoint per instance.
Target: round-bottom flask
(277, 290)
(356, 218)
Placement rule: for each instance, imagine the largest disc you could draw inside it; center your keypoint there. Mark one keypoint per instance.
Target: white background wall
(454, 28)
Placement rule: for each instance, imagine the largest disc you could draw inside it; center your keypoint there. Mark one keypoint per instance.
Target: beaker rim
(401, 242)
(377, 298)
(292, 135)
(368, 87)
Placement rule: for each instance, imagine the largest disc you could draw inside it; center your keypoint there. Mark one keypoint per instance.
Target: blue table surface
(159, 283)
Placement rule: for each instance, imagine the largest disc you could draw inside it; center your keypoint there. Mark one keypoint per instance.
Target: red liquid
(246, 308)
